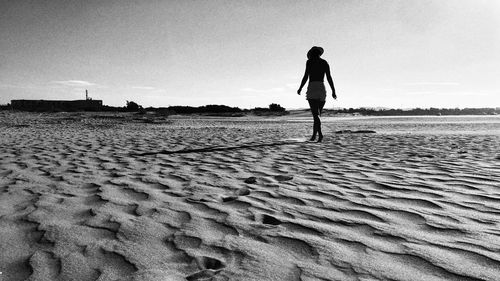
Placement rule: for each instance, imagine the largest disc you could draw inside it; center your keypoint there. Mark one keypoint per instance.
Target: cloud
(432, 84)
(420, 93)
(74, 83)
(4, 85)
(450, 94)
(263, 91)
(144, 88)
(151, 92)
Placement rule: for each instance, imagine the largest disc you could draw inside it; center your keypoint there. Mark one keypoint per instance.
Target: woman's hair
(314, 52)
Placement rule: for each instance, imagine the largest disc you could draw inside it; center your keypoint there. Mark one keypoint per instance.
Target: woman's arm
(304, 79)
(330, 81)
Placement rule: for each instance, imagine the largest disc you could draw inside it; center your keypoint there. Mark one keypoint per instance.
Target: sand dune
(86, 198)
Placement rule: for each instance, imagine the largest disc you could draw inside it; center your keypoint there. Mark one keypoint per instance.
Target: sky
(382, 53)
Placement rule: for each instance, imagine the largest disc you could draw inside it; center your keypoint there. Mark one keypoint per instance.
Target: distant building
(57, 105)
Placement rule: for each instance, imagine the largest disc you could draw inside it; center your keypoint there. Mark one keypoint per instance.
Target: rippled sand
(100, 198)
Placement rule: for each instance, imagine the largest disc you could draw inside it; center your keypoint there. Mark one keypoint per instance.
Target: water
(483, 125)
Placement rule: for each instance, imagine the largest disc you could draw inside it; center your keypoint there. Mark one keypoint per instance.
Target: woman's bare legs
(320, 135)
(316, 107)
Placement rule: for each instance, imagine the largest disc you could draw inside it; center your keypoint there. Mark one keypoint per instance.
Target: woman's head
(315, 52)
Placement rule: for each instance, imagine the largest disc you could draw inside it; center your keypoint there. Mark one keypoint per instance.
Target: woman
(316, 68)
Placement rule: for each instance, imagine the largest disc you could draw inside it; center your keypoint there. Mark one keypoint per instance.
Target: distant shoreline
(277, 110)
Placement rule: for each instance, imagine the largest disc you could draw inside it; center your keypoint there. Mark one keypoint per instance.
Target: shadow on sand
(218, 148)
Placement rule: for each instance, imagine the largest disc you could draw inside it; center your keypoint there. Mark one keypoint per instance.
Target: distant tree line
(418, 111)
(276, 109)
(132, 106)
(211, 109)
(214, 109)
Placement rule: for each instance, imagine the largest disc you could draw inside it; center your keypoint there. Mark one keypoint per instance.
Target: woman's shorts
(316, 91)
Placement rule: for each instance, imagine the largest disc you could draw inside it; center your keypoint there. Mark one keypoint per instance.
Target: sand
(97, 197)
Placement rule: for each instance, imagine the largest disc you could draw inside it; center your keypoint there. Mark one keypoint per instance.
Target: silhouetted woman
(316, 68)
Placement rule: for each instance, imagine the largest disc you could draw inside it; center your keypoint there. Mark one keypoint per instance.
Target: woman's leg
(314, 105)
(321, 104)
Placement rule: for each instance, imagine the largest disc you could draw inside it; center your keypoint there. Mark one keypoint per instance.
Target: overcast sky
(414, 53)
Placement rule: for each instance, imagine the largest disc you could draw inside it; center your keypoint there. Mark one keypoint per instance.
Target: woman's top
(316, 69)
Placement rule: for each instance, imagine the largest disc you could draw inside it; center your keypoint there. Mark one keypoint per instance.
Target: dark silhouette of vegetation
(162, 111)
(211, 108)
(133, 106)
(418, 111)
(273, 110)
(276, 107)
(54, 105)
(165, 111)
(108, 108)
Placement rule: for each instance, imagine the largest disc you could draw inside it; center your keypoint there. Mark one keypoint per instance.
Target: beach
(103, 196)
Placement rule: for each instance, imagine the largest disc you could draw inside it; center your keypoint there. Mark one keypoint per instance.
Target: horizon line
(289, 109)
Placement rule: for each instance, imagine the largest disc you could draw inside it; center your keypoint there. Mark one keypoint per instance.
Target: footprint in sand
(209, 268)
(283, 178)
(229, 198)
(251, 180)
(267, 219)
(240, 192)
(243, 191)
